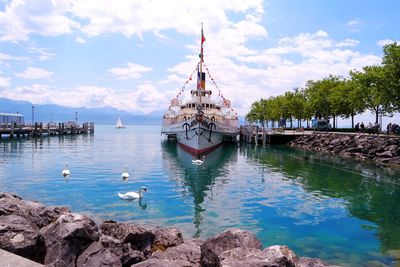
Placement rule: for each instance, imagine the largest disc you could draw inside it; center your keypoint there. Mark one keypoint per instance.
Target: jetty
(13, 125)
(39, 129)
(252, 134)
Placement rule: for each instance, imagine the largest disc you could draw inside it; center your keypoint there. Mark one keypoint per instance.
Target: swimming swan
(198, 161)
(125, 175)
(133, 195)
(66, 172)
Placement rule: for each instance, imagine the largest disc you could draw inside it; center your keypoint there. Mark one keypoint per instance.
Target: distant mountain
(55, 113)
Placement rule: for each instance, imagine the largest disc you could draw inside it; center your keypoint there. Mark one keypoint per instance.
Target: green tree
(391, 63)
(354, 96)
(372, 80)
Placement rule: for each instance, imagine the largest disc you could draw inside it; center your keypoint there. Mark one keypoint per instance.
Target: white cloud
(80, 40)
(249, 75)
(140, 99)
(32, 73)
(157, 15)
(44, 17)
(386, 42)
(354, 25)
(41, 53)
(131, 18)
(131, 72)
(6, 57)
(348, 42)
(4, 82)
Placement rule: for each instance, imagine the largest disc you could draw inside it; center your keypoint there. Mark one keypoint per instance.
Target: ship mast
(201, 54)
(200, 74)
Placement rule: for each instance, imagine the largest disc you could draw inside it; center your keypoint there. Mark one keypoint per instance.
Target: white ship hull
(199, 137)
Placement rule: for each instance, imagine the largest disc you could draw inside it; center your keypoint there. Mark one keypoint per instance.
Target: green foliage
(391, 63)
(375, 88)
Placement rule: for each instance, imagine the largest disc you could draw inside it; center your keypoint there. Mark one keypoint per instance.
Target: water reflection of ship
(199, 180)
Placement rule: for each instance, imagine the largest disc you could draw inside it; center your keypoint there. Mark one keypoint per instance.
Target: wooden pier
(39, 129)
(262, 136)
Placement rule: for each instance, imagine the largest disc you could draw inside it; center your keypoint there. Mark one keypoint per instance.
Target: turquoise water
(342, 211)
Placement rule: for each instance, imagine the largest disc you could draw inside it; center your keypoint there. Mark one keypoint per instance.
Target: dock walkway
(39, 129)
(262, 136)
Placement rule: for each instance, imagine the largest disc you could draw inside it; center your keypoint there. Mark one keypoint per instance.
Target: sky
(136, 55)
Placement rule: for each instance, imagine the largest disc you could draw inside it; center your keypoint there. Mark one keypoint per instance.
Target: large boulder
(166, 237)
(123, 251)
(185, 254)
(19, 237)
(229, 239)
(67, 237)
(139, 238)
(312, 262)
(97, 255)
(273, 256)
(36, 213)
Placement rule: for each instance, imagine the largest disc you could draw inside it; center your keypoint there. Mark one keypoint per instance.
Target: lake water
(343, 211)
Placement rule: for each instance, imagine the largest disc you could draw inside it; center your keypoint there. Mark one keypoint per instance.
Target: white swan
(198, 161)
(66, 172)
(133, 195)
(125, 175)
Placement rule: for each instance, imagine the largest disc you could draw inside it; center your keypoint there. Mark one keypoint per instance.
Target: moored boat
(201, 123)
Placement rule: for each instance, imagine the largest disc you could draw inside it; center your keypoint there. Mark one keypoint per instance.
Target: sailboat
(119, 125)
(201, 123)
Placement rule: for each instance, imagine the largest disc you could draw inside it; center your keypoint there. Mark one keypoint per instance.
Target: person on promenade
(357, 127)
(369, 128)
(362, 127)
(375, 128)
(389, 128)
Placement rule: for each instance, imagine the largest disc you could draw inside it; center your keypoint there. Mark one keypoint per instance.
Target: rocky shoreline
(381, 149)
(55, 236)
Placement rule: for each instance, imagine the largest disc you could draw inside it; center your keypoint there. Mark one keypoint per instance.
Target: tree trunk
(352, 120)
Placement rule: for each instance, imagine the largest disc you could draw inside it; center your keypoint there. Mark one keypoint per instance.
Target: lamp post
(33, 114)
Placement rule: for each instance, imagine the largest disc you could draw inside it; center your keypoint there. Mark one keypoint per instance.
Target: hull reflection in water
(199, 180)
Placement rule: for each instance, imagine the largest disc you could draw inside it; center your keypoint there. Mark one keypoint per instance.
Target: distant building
(8, 118)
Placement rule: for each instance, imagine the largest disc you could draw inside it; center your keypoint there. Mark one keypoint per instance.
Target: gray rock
(185, 254)
(97, 255)
(126, 254)
(166, 237)
(37, 214)
(395, 160)
(67, 237)
(139, 238)
(392, 147)
(271, 256)
(385, 154)
(157, 263)
(311, 262)
(229, 239)
(19, 237)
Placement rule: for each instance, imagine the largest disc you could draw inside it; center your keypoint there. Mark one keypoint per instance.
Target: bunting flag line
(215, 84)
(187, 81)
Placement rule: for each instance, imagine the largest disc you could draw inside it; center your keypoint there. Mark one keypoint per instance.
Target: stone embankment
(56, 237)
(383, 149)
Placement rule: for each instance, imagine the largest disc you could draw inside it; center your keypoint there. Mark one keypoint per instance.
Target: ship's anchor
(210, 126)
(187, 127)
